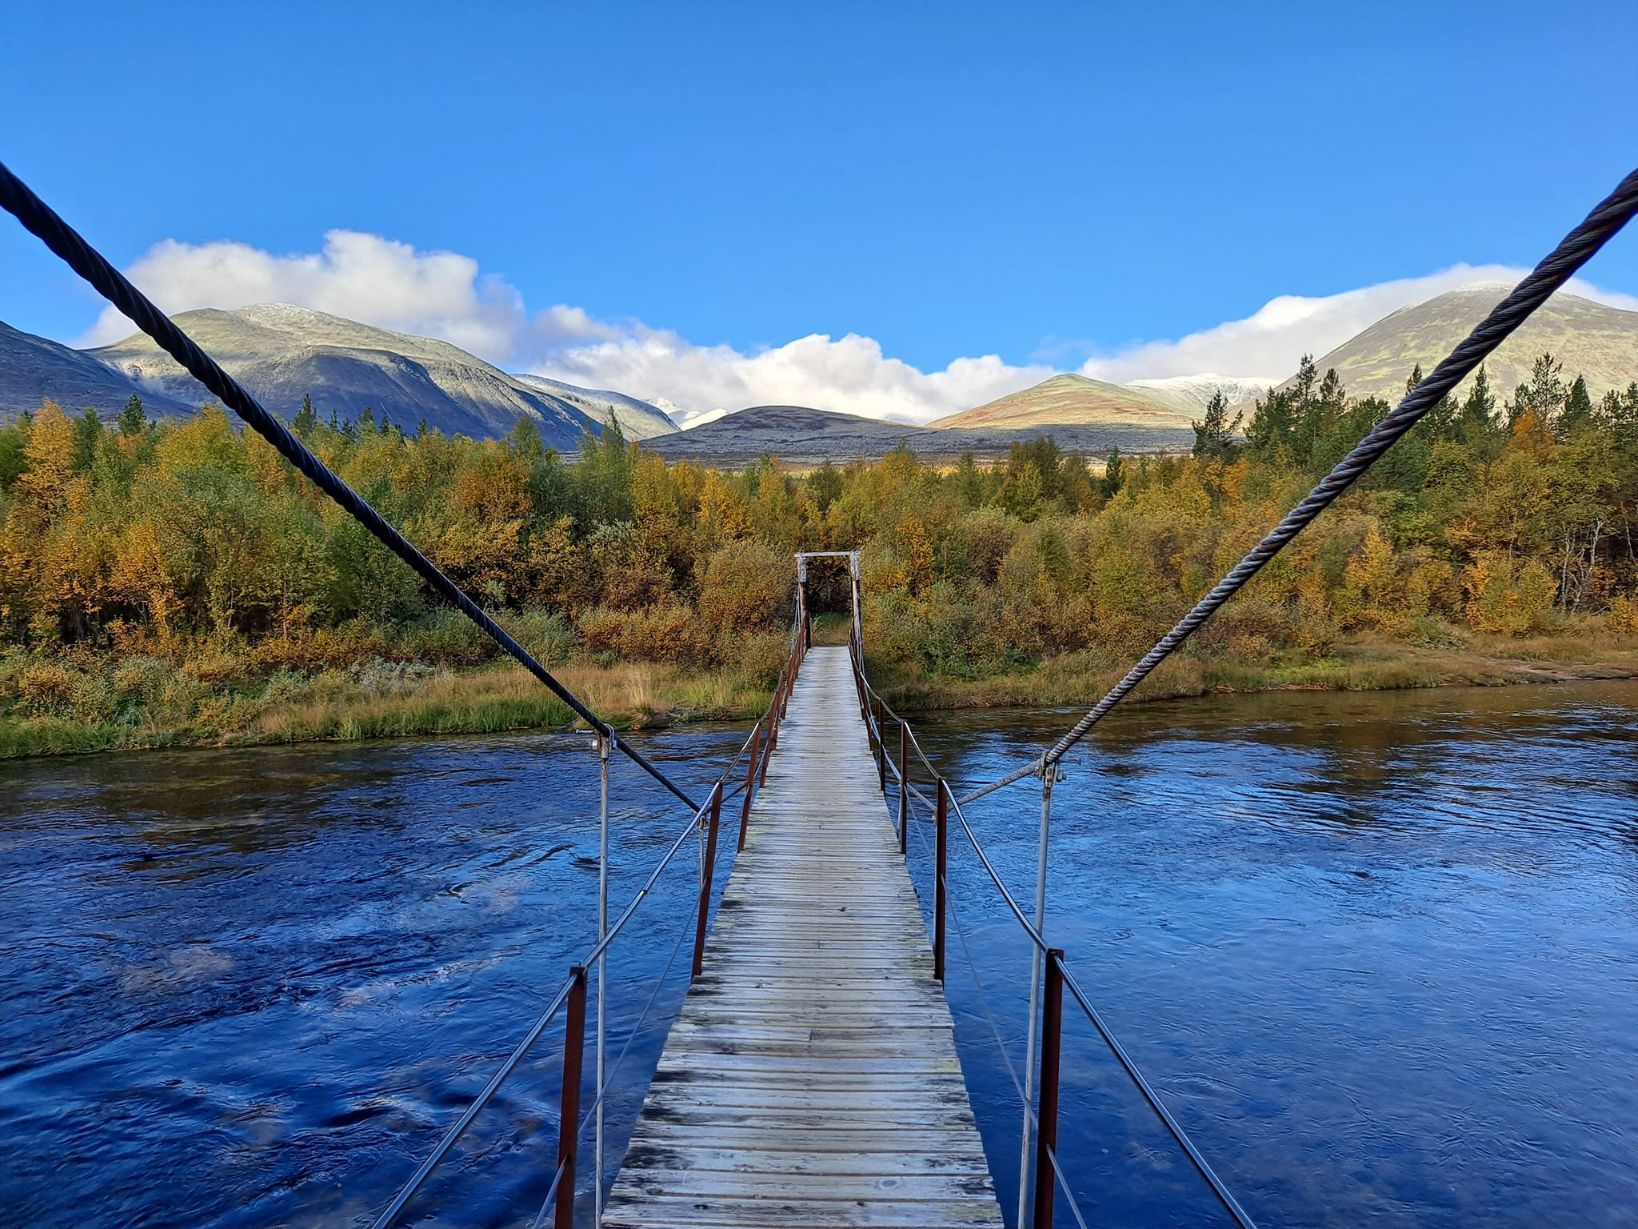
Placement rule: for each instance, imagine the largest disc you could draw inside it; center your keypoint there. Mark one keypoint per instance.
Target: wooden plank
(812, 1077)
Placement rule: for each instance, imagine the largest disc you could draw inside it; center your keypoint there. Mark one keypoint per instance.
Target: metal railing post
(882, 757)
(750, 785)
(710, 866)
(767, 747)
(904, 786)
(941, 858)
(1046, 1131)
(568, 1114)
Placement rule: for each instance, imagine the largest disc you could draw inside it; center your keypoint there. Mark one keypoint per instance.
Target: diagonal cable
(21, 202)
(1579, 246)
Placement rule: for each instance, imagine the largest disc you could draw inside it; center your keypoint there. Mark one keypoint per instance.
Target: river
(1379, 952)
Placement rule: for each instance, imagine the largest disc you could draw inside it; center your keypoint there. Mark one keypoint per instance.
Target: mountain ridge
(283, 353)
(1591, 339)
(1068, 399)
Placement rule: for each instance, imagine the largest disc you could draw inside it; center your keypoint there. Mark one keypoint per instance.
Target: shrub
(1624, 614)
(1506, 596)
(746, 585)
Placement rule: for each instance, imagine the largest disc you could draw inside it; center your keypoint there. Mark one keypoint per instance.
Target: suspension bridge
(811, 1077)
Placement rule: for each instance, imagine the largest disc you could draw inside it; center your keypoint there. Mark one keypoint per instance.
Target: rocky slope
(1592, 340)
(33, 369)
(283, 353)
(639, 420)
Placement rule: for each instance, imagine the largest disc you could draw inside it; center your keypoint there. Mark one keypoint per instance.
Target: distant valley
(803, 436)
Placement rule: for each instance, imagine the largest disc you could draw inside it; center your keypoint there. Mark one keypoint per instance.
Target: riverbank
(1362, 663)
(379, 700)
(65, 711)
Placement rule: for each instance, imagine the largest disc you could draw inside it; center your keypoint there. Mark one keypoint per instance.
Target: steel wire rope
(551, 1194)
(1557, 267)
(1063, 1185)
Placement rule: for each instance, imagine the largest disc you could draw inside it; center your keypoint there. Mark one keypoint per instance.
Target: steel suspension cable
(1579, 246)
(39, 218)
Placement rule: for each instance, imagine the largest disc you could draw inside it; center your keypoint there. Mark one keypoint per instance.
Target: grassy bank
(1359, 664)
(383, 700)
(112, 703)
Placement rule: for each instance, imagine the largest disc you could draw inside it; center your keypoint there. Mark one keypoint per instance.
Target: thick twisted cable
(22, 203)
(1579, 246)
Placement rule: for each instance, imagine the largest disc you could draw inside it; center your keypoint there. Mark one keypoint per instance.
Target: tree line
(1492, 517)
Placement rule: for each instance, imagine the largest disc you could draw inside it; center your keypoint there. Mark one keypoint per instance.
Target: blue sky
(700, 187)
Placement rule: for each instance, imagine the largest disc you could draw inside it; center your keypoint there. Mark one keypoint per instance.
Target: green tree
(133, 419)
(1113, 476)
(1214, 434)
(87, 431)
(306, 421)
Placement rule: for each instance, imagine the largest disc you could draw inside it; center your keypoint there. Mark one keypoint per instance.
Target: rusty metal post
(904, 787)
(768, 746)
(568, 1114)
(710, 866)
(881, 750)
(941, 857)
(750, 784)
(1046, 1136)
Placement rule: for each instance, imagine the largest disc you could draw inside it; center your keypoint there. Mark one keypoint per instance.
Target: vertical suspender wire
(1036, 969)
(602, 971)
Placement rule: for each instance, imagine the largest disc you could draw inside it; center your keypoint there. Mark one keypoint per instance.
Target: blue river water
(1379, 953)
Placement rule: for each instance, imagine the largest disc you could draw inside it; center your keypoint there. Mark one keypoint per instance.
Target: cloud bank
(393, 285)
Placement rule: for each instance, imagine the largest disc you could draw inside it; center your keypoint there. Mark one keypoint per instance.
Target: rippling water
(1379, 952)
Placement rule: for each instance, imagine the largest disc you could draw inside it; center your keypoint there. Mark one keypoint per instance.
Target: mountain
(799, 435)
(1073, 400)
(282, 353)
(1590, 339)
(33, 369)
(1191, 394)
(639, 420)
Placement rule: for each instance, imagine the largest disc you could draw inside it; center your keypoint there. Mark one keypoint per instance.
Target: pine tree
(306, 421)
(1112, 477)
(87, 431)
(133, 418)
(1578, 410)
(1214, 435)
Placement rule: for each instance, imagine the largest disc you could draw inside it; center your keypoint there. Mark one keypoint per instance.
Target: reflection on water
(1380, 953)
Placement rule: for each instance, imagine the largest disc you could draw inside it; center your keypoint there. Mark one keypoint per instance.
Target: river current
(1378, 952)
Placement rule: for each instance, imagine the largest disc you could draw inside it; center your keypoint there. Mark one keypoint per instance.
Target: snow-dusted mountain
(639, 420)
(1191, 394)
(283, 353)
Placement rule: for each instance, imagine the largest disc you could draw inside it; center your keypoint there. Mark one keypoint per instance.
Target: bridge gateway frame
(855, 589)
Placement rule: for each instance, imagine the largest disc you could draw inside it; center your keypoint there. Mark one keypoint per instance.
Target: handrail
(1058, 970)
(719, 791)
(1201, 1165)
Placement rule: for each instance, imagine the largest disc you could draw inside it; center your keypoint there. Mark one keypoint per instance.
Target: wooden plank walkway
(811, 1079)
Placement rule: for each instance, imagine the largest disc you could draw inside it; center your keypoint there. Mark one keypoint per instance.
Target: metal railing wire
(875, 711)
(570, 1131)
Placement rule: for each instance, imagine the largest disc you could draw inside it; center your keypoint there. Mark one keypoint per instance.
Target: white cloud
(1274, 338)
(444, 294)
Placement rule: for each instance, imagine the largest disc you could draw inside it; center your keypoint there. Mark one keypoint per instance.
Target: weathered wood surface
(811, 1079)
